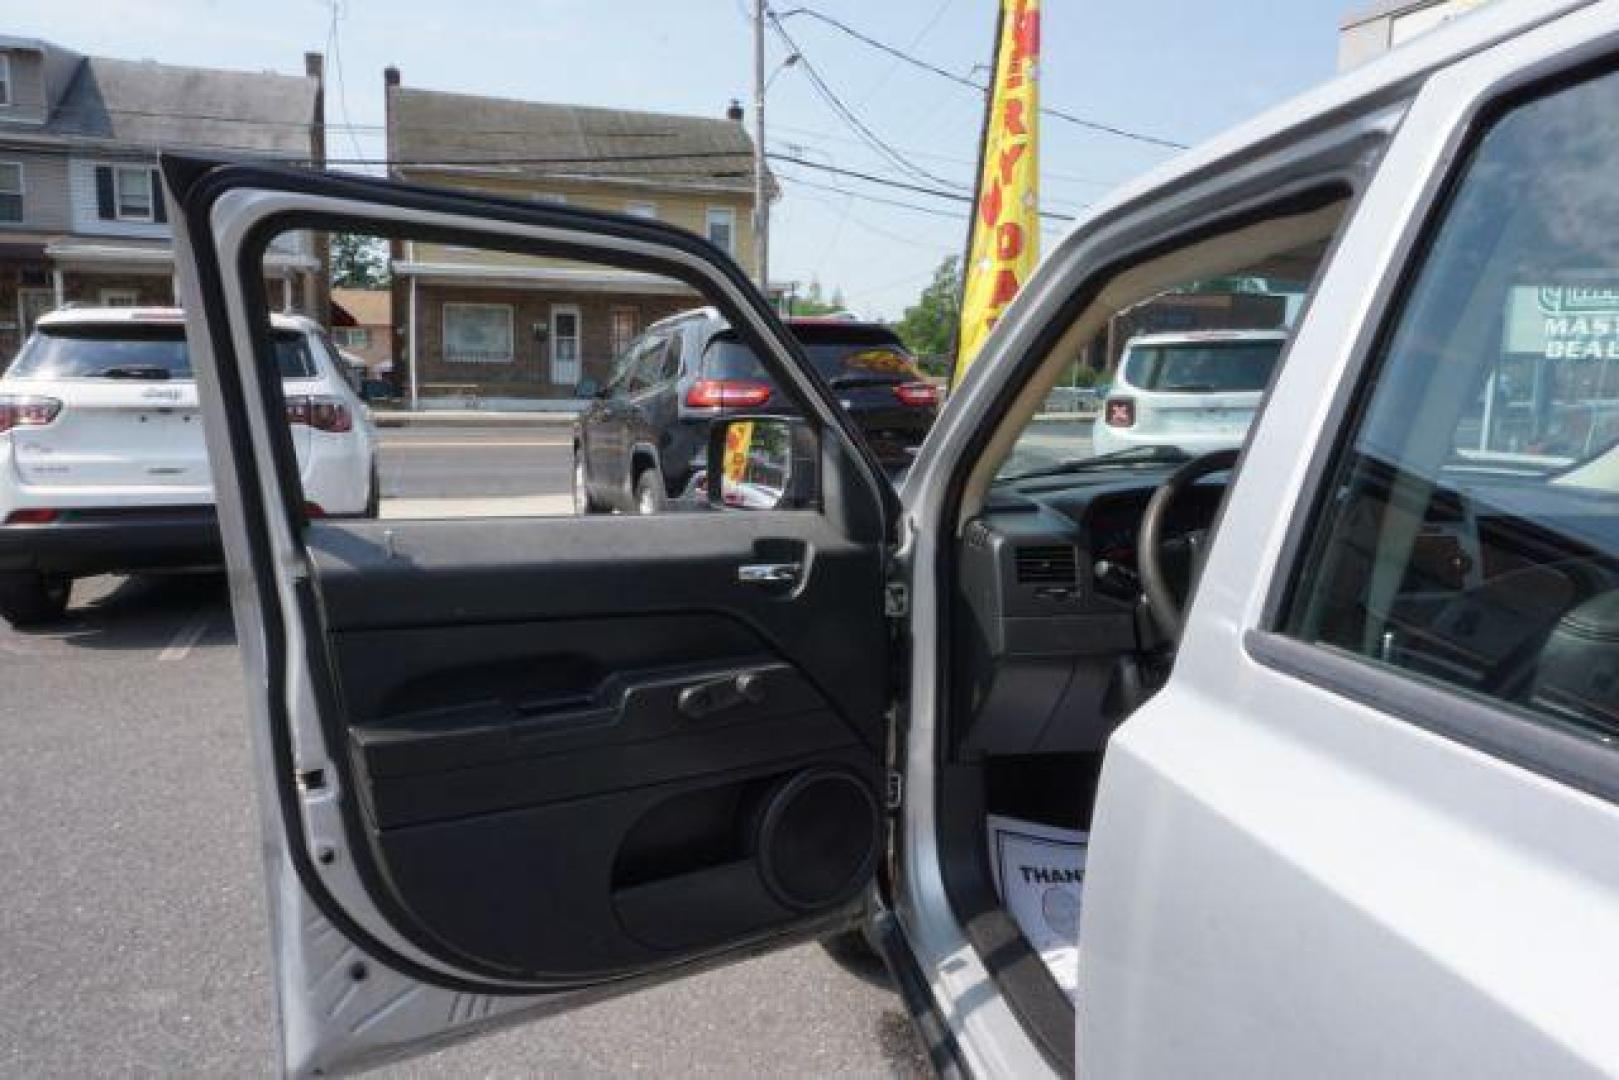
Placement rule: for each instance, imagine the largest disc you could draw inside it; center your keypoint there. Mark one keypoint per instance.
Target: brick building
(81, 210)
(511, 327)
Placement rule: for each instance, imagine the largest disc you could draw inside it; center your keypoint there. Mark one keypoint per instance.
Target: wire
(855, 174)
(836, 104)
(334, 47)
(955, 159)
(917, 62)
(936, 211)
(927, 27)
(898, 238)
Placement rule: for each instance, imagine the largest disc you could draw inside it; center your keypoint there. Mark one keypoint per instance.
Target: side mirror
(762, 463)
(588, 388)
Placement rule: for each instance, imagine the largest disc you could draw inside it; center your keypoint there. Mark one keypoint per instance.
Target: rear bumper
(100, 542)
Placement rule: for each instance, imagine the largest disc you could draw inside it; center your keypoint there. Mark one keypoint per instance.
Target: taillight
(34, 516)
(1120, 412)
(26, 411)
(727, 393)
(917, 394)
(320, 413)
(314, 510)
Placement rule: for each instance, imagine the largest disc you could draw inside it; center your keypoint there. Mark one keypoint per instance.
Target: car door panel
(485, 731)
(520, 758)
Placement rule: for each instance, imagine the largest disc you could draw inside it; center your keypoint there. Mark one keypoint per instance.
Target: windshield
(1105, 418)
(134, 352)
(1205, 367)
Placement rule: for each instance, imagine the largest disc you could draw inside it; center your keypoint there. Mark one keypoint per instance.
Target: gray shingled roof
(573, 140)
(150, 105)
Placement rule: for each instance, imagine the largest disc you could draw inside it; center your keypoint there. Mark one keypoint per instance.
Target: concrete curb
(470, 418)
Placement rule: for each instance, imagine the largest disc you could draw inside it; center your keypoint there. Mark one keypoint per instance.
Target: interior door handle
(717, 695)
(782, 573)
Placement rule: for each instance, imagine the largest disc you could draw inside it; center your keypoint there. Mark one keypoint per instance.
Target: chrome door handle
(783, 573)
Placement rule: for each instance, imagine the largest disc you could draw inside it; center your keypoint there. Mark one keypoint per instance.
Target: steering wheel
(1167, 609)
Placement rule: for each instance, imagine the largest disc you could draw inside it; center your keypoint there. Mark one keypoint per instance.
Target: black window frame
(19, 195)
(1493, 726)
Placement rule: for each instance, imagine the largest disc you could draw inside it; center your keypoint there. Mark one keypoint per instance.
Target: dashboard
(1053, 644)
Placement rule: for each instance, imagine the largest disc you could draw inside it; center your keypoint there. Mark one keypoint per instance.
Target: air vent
(1054, 565)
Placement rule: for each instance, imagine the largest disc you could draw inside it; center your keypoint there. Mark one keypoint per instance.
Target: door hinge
(894, 797)
(896, 599)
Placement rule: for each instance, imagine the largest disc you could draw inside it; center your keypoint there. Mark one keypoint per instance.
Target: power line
(870, 178)
(956, 159)
(936, 211)
(846, 114)
(962, 80)
(927, 27)
(876, 230)
(334, 47)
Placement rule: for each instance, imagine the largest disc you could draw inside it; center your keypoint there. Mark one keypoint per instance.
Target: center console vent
(1047, 565)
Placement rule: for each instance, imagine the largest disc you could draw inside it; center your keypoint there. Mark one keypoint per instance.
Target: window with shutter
(134, 189)
(10, 191)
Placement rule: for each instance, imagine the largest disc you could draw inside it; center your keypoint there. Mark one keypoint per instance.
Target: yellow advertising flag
(1005, 232)
(738, 443)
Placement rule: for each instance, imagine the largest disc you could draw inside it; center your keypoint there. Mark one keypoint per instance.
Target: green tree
(814, 303)
(928, 327)
(359, 262)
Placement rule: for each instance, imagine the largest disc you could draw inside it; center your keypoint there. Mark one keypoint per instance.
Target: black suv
(642, 444)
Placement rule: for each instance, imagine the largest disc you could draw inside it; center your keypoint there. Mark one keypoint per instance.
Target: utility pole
(761, 201)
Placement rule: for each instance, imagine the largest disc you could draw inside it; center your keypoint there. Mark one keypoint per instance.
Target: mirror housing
(762, 463)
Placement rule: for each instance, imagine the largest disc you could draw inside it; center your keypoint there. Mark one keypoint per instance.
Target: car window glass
(490, 397)
(624, 364)
(1469, 533)
(670, 368)
(648, 365)
(130, 351)
(1201, 367)
(841, 362)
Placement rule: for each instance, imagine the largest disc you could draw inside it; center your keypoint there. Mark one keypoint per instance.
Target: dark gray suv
(642, 444)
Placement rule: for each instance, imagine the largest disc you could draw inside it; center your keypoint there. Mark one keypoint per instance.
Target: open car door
(513, 765)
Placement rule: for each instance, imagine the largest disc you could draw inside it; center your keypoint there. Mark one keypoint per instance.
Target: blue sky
(1178, 69)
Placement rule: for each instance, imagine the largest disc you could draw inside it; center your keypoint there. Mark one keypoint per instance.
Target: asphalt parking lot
(132, 918)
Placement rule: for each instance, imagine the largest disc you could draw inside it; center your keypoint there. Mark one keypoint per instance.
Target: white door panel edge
(1283, 880)
(991, 1039)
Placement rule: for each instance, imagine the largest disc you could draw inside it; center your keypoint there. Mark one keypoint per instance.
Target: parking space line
(186, 638)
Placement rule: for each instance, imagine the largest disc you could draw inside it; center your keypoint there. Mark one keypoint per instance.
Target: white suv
(1194, 391)
(102, 462)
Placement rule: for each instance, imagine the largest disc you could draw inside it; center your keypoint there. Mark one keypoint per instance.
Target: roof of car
(1181, 337)
(112, 316)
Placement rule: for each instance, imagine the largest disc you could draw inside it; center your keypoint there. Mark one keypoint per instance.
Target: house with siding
(503, 326)
(362, 326)
(81, 209)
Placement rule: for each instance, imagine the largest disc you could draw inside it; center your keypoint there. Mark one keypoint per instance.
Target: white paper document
(1038, 870)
